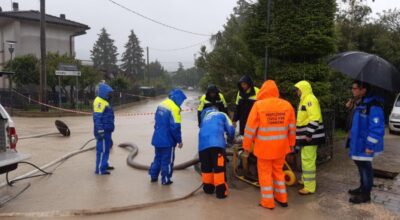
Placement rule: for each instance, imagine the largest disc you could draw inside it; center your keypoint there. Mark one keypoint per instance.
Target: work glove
(234, 124)
(180, 145)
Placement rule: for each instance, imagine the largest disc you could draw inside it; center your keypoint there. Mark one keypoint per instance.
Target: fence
(325, 151)
(22, 100)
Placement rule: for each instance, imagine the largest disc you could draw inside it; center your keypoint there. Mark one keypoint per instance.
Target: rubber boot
(208, 188)
(355, 192)
(282, 204)
(361, 198)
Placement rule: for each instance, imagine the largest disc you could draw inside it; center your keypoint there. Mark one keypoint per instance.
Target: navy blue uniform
(103, 119)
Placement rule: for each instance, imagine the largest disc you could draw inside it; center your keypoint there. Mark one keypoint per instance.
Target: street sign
(67, 70)
(68, 73)
(67, 67)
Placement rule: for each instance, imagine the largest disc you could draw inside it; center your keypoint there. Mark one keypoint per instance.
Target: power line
(179, 48)
(158, 22)
(184, 61)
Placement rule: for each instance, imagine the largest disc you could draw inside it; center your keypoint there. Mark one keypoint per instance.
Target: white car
(394, 119)
(9, 157)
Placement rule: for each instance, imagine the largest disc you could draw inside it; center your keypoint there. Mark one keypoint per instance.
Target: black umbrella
(367, 68)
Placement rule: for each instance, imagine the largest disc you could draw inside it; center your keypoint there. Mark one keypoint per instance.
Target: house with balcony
(20, 35)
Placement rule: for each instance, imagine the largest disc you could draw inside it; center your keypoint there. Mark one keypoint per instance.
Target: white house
(21, 30)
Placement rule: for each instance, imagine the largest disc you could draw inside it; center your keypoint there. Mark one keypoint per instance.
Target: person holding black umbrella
(366, 140)
(351, 106)
(368, 124)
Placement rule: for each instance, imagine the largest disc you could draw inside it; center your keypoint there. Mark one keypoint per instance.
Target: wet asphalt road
(74, 185)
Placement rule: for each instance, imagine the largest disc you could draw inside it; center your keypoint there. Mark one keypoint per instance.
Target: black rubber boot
(355, 192)
(221, 191)
(167, 183)
(361, 198)
(282, 204)
(208, 188)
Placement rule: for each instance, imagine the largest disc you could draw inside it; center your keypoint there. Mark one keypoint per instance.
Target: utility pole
(43, 80)
(148, 66)
(11, 50)
(266, 67)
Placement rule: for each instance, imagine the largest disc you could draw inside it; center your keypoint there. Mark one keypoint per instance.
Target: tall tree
(156, 69)
(349, 24)
(104, 53)
(231, 57)
(301, 35)
(132, 58)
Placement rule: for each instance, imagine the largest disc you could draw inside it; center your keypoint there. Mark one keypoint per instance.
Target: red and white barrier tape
(133, 95)
(90, 113)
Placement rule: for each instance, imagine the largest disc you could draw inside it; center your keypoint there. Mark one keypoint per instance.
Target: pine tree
(132, 58)
(301, 36)
(104, 53)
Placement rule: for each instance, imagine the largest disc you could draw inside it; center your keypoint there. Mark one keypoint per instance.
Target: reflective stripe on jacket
(368, 129)
(167, 128)
(271, 125)
(103, 114)
(309, 117)
(244, 102)
(213, 127)
(218, 102)
(243, 107)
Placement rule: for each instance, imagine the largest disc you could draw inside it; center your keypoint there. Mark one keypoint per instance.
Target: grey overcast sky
(201, 16)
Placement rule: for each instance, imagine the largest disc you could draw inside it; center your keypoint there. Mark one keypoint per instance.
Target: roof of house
(35, 16)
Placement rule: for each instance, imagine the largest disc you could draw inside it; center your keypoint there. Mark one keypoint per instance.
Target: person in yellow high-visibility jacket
(310, 133)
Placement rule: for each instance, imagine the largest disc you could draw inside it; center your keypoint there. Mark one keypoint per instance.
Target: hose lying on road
(61, 127)
(59, 160)
(97, 211)
(135, 150)
(106, 210)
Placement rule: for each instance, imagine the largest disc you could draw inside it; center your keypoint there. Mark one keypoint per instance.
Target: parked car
(394, 119)
(9, 157)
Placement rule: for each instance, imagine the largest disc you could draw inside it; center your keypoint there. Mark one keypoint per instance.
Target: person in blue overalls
(103, 119)
(167, 135)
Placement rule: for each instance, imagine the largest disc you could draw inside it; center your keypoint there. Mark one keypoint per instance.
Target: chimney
(62, 16)
(15, 6)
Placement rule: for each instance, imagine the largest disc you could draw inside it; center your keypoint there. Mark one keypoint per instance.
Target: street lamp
(11, 44)
(11, 48)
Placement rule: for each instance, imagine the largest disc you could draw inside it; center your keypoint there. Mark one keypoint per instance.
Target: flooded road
(74, 186)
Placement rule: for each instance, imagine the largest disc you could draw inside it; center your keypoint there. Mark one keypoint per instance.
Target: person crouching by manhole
(166, 136)
(272, 127)
(103, 118)
(213, 126)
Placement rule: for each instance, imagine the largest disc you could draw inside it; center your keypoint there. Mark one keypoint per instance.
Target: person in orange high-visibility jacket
(271, 126)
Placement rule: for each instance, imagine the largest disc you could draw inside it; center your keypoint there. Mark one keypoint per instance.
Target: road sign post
(68, 70)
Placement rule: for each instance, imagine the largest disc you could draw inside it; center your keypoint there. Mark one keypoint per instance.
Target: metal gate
(325, 151)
